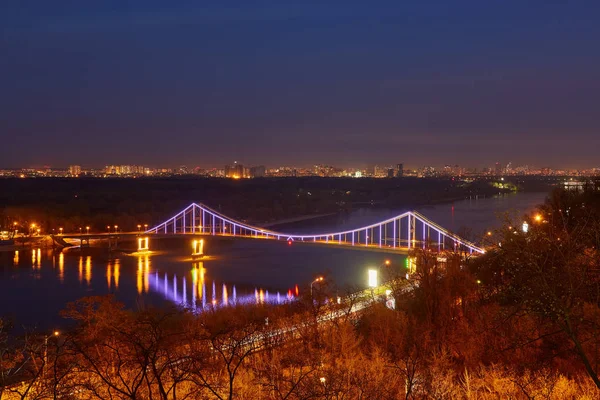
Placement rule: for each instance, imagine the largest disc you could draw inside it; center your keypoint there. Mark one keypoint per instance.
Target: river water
(35, 284)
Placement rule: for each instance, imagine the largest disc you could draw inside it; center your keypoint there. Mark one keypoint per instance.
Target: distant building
(258, 171)
(399, 170)
(75, 170)
(235, 171)
(390, 172)
(498, 169)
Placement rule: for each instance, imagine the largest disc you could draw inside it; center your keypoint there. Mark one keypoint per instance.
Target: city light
(525, 227)
(372, 278)
(538, 218)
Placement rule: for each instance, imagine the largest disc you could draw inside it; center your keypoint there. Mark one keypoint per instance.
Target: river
(35, 284)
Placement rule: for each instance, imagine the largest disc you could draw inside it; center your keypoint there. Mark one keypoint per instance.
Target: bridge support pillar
(143, 244)
(198, 248)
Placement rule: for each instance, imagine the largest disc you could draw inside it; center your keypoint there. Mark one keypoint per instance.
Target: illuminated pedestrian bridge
(409, 230)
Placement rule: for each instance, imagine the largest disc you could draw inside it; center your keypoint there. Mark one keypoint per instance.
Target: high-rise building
(399, 170)
(258, 171)
(235, 171)
(75, 170)
(498, 169)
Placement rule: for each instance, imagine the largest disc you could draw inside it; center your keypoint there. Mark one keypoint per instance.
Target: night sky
(350, 83)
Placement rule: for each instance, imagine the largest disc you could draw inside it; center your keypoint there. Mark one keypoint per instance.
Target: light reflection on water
(35, 291)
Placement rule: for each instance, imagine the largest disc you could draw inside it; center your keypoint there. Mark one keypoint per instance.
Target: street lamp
(116, 228)
(87, 229)
(60, 230)
(80, 230)
(319, 279)
(54, 334)
(146, 227)
(139, 227)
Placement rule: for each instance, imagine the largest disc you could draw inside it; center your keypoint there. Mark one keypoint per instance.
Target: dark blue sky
(278, 82)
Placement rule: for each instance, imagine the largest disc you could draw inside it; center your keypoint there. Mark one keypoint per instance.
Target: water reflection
(16, 258)
(175, 289)
(61, 267)
(88, 269)
(117, 273)
(80, 269)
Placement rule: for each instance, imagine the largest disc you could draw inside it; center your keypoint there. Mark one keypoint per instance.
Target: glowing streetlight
(116, 228)
(108, 228)
(55, 334)
(139, 227)
(538, 218)
(80, 229)
(319, 279)
(146, 226)
(387, 263)
(87, 229)
(60, 230)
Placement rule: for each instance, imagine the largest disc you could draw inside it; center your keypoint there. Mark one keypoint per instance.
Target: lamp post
(139, 227)
(116, 228)
(60, 230)
(319, 279)
(54, 334)
(87, 230)
(108, 228)
(145, 227)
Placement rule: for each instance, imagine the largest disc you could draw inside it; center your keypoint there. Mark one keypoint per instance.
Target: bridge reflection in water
(199, 293)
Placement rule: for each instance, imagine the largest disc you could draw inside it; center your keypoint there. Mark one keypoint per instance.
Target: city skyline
(299, 84)
(356, 165)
